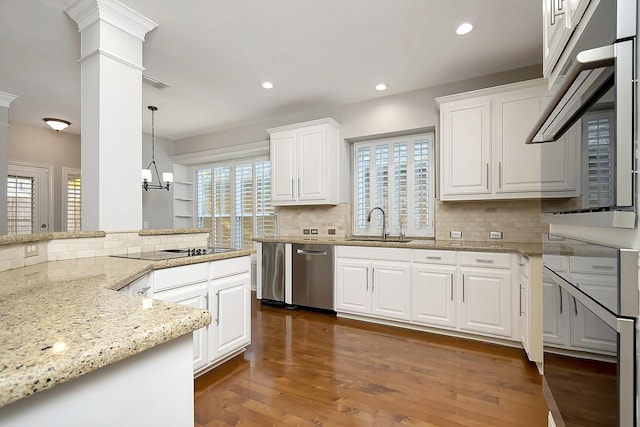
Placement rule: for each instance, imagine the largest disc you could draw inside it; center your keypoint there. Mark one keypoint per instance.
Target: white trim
(327, 120)
(107, 54)
(6, 99)
(216, 155)
(490, 91)
(87, 12)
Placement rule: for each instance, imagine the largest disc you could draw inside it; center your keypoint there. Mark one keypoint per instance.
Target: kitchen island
(71, 346)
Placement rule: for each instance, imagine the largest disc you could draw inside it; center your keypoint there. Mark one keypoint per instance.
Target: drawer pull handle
(484, 261)
(436, 258)
(143, 291)
(603, 267)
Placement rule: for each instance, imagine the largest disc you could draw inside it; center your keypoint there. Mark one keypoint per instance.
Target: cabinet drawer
(371, 253)
(484, 259)
(230, 267)
(433, 257)
(168, 278)
(595, 265)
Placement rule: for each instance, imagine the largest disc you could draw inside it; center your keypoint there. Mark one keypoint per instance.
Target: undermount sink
(378, 240)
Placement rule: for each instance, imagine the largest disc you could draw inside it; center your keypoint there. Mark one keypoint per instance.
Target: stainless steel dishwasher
(273, 273)
(312, 275)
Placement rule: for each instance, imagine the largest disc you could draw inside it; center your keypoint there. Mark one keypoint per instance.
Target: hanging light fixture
(147, 174)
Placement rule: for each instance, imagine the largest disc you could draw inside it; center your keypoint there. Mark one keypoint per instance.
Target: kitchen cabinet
(224, 288)
(432, 288)
(530, 307)
(483, 150)
(373, 281)
(485, 293)
(304, 160)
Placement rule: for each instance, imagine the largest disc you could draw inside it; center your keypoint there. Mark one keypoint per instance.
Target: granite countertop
(60, 320)
(525, 249)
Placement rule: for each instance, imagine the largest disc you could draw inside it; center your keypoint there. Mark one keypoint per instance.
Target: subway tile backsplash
(518, 220)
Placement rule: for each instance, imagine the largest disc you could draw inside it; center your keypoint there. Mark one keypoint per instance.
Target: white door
(465, 147)
(230, 306)
(284, 166)
(432, 295)
(352, 286)
(486, 301)
(28, 199)
(391, 290)
(312, 158)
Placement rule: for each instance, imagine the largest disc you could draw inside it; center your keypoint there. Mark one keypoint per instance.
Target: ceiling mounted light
(464, 28)
(381, 86)
(147, 174)
(267, 85)
(57, 124)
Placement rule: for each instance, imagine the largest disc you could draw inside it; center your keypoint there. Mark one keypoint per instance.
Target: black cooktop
(174, 253)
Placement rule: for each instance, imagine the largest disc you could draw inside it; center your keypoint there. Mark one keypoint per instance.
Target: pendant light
(147, 174)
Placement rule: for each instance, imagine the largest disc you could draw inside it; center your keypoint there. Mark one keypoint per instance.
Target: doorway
(28, 199)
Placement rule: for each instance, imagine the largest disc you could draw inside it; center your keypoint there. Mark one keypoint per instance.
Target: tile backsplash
(518, 220)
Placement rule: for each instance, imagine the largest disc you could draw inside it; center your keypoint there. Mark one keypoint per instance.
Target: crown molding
(87, 12)
(6, 99)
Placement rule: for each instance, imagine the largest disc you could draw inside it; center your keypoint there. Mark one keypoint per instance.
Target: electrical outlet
(306, 231)
(31, 250)
(455, 234)
(331, 231)
(495, 234)
(314, 231)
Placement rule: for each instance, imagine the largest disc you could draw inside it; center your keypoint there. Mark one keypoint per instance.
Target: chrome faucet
(384, 228)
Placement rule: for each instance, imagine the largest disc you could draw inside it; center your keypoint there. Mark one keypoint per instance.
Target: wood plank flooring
(312, 369)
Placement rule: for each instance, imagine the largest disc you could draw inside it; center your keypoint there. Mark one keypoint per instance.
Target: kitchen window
(396, 174)
(233, 200)
(71, 203)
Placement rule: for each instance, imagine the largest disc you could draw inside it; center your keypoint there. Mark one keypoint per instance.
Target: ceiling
(319, 54)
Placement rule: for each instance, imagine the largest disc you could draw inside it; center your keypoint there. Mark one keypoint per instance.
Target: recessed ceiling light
(381, 86)
(464, 28)
(267, 85)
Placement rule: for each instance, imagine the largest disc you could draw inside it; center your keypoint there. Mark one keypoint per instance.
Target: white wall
(43, 146)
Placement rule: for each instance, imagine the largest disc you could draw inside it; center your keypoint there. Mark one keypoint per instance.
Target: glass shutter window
(238, 198)
(73, 208)
(599, 175)
(222, 206)
(20, 205)
(403, 185)
(265, 213)
(203, 201)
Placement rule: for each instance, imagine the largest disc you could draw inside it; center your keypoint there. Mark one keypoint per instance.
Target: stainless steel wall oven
(590, 310)
(595, 91)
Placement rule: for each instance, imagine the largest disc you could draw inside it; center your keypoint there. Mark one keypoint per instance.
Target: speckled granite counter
(525, 249)
(60, 320)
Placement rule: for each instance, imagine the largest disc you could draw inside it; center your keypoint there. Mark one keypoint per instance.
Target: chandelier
(147, 174)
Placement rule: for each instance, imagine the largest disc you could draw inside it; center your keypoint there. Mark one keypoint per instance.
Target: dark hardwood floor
(312, 369)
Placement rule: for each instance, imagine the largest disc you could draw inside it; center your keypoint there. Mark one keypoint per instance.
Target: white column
(111, 105)
(5, 101)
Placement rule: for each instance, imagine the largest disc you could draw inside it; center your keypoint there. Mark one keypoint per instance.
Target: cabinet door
(486, 301)
(231, 315)
(390, 290)
(560, 164)
(312, 164)
(352, 286)
(587, 330)
(465, 149)
(192, 296)
(555, 327)
(516, 165)
(283, 156)
(555, 34)
(432, 295)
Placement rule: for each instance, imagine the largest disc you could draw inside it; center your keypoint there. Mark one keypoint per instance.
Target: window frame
(66, 173)
(375, 226)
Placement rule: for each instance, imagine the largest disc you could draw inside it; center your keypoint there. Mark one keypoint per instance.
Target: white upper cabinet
(301, 156)
(483, 149)
(555, 33)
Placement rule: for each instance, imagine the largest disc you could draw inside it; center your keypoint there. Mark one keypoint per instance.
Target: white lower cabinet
(224, 288)
(372, 286)
(486, 301)
(432, 295)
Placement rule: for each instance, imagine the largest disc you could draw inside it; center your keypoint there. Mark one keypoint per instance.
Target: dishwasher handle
(311, 252)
